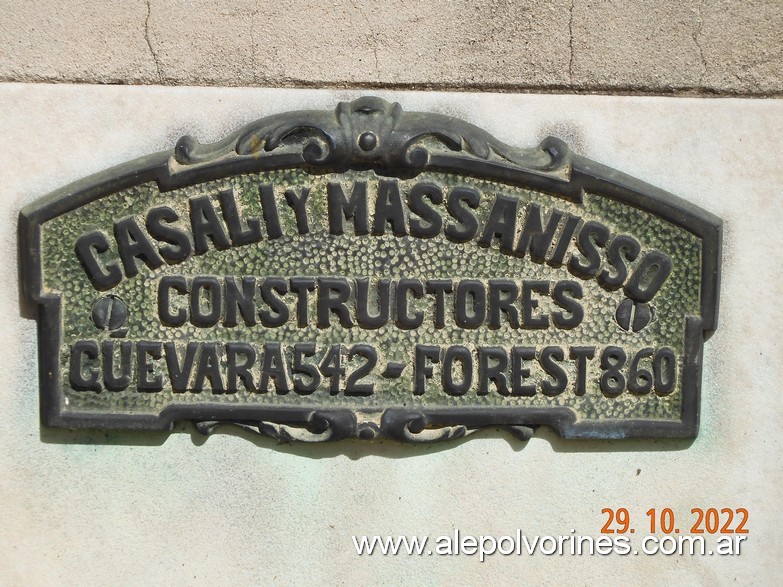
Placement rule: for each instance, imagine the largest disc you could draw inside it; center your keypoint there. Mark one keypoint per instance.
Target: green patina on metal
(321, 254)
(617, 355)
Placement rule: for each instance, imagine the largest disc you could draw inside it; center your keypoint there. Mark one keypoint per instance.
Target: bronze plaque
(366, 272)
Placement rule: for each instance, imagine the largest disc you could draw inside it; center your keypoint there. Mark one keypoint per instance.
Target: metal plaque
(371, 272)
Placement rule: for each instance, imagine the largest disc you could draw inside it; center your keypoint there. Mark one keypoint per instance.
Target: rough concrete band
(719, 47)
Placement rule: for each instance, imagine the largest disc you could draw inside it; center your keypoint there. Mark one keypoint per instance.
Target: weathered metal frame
(319, 142)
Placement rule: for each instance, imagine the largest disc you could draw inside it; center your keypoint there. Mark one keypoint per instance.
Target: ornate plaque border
(370, 133)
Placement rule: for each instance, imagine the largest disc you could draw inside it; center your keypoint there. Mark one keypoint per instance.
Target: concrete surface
(723, 47)
(97, 509)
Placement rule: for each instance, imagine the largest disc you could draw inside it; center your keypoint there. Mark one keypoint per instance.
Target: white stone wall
(144, 509)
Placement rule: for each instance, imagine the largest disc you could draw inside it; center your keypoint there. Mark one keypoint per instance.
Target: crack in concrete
(696, 35)
(254, 42)
(571, 43)
(149, 44)
(360, 8)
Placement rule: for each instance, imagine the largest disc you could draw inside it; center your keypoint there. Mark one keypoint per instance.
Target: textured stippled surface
(388, 256)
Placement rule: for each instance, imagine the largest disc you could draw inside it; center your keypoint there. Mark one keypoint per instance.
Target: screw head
(367, 141)
(109, 313)
(367, 431)
(633, 316)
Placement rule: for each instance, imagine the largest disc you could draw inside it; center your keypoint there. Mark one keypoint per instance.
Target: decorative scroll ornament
(375, 133)
(405, 426)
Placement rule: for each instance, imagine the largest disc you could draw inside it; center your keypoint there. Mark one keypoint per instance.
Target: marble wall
(140, 509)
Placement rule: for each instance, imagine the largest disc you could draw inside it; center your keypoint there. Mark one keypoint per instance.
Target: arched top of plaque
(371, 272)
(371, 133)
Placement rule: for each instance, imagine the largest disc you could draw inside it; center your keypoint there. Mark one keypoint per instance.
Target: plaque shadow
(353, 448)
(356, 449)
